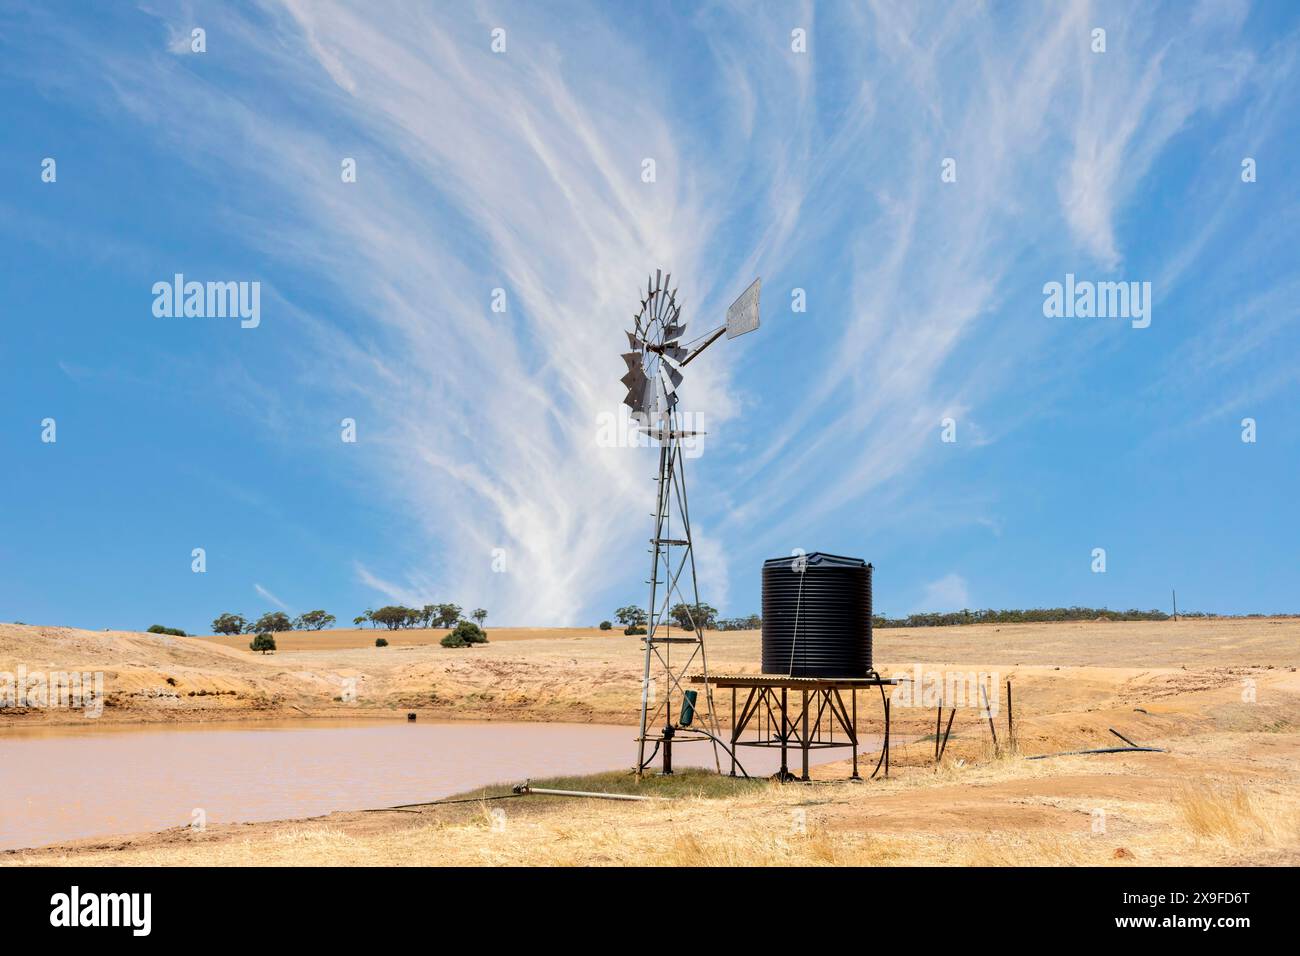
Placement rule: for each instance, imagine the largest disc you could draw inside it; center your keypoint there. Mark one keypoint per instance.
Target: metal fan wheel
(655, 357)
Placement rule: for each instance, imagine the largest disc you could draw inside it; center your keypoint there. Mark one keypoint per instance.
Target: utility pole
(1175, 593)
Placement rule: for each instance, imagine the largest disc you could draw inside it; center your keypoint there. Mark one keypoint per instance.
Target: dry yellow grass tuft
(1223, 814)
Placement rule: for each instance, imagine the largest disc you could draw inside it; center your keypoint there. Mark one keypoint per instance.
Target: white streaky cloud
(398, 594)
(267, 595)
(517, 467)
(522, 171)
(1120, 127)
(929, 326)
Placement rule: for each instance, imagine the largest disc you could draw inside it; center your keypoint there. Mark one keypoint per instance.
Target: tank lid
(817, 559)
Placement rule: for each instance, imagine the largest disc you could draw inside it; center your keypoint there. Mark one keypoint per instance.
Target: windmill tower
(669, 712)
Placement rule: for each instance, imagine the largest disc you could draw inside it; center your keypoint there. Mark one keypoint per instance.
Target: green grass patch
(691, 782)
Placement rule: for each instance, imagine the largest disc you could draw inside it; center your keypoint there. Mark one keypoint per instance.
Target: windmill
(655, 361)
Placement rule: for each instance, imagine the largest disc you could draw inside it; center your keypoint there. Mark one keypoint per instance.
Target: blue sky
(477, 475)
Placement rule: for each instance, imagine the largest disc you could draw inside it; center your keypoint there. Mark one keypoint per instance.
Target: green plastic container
(688, 708)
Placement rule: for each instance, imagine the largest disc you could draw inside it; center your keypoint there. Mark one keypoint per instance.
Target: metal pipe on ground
(1101, 750)
(1121, 737)
(525, 789)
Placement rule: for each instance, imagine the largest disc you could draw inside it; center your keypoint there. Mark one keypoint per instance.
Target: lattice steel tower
(654, 372)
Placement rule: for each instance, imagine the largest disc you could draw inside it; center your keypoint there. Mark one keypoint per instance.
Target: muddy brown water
(65, 783)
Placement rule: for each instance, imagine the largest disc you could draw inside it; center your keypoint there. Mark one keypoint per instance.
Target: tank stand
(807, 719)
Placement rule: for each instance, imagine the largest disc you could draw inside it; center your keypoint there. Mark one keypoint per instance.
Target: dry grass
(1223, 814)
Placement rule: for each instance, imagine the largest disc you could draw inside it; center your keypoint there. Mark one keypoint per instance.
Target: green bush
(471, 633)
(605, 625)
(465, 634)
(173, 631)
(381, 642)
(263, 643)
(634, 629)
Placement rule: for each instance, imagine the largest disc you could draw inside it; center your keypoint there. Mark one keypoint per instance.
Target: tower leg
(659, 639)
(650, 621)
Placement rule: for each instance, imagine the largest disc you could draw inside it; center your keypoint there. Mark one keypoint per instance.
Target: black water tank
(817, 616)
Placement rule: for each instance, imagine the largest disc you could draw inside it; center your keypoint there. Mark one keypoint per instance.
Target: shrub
(634, 629)
(173, 631)
(263, 643)
(465, 634)
(471, 633)
(605, 625)
(381, 642)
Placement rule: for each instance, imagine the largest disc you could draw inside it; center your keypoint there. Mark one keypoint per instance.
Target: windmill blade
(634, 378)
(674, 376)
(674, 352)
(633, 342)
(633, 360)
(635, 399)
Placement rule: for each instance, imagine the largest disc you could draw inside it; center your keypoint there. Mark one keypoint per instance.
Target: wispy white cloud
(522, 171)
(929, 323)
(267, 595)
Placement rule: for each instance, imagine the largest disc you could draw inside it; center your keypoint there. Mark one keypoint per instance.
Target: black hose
(649, 760)
(439, 803)
(1103, 750)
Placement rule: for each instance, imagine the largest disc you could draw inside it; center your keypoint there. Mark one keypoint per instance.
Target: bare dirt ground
(1222, 696)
